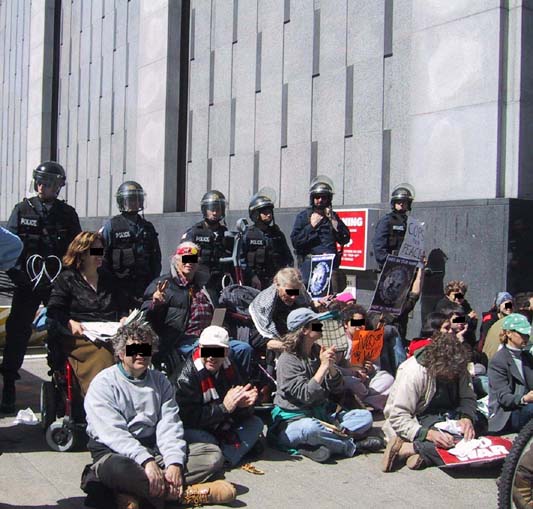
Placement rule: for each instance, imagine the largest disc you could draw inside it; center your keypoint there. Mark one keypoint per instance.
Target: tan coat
(410, 395)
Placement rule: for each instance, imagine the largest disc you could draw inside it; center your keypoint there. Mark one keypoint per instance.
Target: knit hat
(503, 297)
(518, 323)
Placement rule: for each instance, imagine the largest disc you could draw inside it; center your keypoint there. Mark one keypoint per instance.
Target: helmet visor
(46, 184)
(131, 201)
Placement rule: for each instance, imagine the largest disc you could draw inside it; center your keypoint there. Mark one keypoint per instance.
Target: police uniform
(132, 252)
(264, 252)
(389, 235)
(45, 231)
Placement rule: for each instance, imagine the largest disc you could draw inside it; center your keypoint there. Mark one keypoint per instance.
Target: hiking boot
(8, 397)
(370, 444)
(216, 492)
(415, 462)
(127, 501)
(318, 453)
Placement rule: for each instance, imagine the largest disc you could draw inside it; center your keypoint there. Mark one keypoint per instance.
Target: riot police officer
(46, 226)
(318, 229)
(264, 248)
(132, 249)
(209, 235)
(391, 228)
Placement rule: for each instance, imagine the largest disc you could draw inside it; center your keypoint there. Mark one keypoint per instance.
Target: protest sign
(354, 253)
(366, 346)
(320, 275)
(394, 285)
(489, 449)
(413, 243)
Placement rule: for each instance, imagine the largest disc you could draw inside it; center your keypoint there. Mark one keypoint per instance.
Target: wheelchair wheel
(62, 438)
(48, 404)
(517, 490)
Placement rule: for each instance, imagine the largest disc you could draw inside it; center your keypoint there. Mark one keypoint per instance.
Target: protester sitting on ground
(136, 435)
(502, 307)
(303, 419)
(367, 381)
(433, 325)
(216, 402)
(511, 378)
(84, 292)
(394, 351)
(454, 293)
(430, 387)
(179, 307)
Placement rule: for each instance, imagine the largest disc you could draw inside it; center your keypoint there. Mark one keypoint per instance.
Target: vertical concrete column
(157, 102)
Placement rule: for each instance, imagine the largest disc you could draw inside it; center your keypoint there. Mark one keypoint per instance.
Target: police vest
(264, 250)
(45, 233)
(397, 229)
(131, 251)
(211, 243)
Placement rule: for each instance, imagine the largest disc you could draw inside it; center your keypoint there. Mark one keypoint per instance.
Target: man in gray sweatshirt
(136, 435)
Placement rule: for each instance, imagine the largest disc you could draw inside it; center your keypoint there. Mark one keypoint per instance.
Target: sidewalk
(32, 476)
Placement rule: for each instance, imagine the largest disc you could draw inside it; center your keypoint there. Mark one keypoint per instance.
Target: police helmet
(130, 197)
(214, 200)
(50, 173)
(403, 192)
(321, 186)
(263, 199)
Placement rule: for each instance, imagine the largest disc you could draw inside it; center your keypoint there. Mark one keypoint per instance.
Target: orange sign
(366, 346)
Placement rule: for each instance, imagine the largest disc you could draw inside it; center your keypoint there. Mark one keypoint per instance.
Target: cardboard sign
(413, 246)
(320, 275)
(491, 449)
(394, 284)
(354, 253)
(366, 346)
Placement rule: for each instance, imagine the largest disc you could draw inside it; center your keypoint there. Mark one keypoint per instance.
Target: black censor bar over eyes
(357, 323)
(212, 351)
(96, 251)
(459, 296)
(139, 349)
(292, 291)
(317, 326)
(459, 319)
(189, 258)
(508, 305)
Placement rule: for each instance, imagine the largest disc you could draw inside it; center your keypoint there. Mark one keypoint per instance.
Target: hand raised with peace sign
(158, 296)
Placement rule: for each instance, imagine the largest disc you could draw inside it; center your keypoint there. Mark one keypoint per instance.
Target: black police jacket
(43, 231)
(389, 235)
(211, 243)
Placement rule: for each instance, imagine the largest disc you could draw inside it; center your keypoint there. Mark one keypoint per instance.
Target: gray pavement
(31, 476)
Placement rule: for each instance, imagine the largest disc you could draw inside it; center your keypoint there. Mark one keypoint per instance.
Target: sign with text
(490, 449)
(320, 275)
(354, 253)
(366, 346)
(413, 242)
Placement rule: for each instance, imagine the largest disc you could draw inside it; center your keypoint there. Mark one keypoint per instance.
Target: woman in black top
(85, 292)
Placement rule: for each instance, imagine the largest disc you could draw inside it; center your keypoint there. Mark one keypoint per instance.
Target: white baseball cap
(214, 336)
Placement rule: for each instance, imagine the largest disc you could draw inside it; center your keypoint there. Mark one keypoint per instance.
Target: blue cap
(503, 297)
(302, 316)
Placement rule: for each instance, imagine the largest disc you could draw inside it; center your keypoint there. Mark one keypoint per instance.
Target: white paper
(101, 331)
(451, 426)
(465, 447)
(26, 417)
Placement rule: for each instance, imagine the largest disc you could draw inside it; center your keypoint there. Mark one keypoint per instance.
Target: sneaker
(8, 397)
(318, 453)
(216, 492)
(127, 501)
(415, 462)
(370, 444)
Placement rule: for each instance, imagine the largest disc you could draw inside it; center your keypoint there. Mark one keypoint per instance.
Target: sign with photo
(393, 286)
(320, 275)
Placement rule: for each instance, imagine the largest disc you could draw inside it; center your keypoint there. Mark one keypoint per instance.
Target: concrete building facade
(185, 96)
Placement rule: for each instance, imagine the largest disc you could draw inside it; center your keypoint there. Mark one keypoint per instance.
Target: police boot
(8, 397)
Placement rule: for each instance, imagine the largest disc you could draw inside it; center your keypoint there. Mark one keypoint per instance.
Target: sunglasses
(96, 251)
(357, 323)
(292, 291)
(143, 349)
(217, 352)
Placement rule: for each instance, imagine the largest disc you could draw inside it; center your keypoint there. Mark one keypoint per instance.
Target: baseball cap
(503, 297)
(518, 323)
(214, 336)
(302, 316)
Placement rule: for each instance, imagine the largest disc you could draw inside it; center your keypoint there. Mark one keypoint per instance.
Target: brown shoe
(391, 454)
(522, 492)
(415, 462)
(127, 501)
(216, 492)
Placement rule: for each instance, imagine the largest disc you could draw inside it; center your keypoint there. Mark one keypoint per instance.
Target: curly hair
(446, 357)
(288, 276)
(140, 332)
(455, 286)
(293, 341)
(78, 247)
(350, 310)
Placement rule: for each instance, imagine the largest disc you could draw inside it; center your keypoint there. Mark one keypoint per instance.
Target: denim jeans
(247, 430)
(310, 431)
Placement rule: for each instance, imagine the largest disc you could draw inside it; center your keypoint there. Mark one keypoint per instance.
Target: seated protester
(84, 292)
(511, 378)
(216, 403)
(136, 435)
(434, 324)
(368, 382)
(454, 293)
(303, 418)
(270, 309)
(394, 351)
(179, 307)
(503, 306)
(430, 387)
